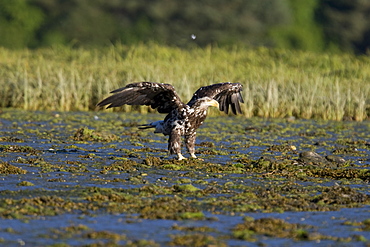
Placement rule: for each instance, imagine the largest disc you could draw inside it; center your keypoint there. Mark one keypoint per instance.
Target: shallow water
(116, 185)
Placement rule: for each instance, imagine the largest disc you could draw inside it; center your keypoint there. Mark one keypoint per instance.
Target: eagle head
(206, 101)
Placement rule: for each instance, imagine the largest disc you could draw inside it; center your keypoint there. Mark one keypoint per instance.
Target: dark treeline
(314, 25)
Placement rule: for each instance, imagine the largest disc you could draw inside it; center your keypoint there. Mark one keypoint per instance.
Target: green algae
(86, 134)
(185, 188)
(105, 235)
(106, 238)
(192, 216)
(121, 166)
(193, 228)
(6, 168)
(25, 183)
(359, 226)
(196, 240)
(278, 228)
(248, 172)
(141, 243)
(176, 204)
(302, 169)
(17, 148)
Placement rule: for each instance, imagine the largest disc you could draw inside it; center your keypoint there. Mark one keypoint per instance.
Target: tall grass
(277, 83)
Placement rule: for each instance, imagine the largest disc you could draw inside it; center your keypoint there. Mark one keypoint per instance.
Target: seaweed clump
(341, 195)
(277, 228)
(6, 168)
(18, 149)
(86, 134)
(195, 240)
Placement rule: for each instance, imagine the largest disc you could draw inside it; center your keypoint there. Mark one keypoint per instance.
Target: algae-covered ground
(94, 179)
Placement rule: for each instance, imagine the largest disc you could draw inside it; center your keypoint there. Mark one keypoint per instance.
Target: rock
(312, 158)
(336, 159)
(309, 156)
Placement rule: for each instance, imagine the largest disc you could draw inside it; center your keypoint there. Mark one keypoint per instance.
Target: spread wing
(160, 96)
(227, 95)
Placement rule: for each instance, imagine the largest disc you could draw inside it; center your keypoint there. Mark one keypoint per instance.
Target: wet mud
(94, 179)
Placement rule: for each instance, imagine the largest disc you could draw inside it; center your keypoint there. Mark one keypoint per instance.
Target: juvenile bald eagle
(182, 119)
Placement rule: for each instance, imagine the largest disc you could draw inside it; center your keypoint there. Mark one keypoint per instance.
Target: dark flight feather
(162, 97)
(227, 94)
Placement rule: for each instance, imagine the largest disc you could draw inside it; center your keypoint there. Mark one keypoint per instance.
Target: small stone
(336, 159)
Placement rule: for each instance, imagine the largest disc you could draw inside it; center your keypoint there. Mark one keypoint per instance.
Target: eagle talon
(193, 156)
(180, 157)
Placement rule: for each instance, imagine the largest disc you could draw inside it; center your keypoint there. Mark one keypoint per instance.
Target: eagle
(181, 119)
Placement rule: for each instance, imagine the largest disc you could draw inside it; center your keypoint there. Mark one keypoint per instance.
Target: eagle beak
(213, 103)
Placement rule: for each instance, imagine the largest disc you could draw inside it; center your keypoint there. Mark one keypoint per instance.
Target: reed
(277, 83)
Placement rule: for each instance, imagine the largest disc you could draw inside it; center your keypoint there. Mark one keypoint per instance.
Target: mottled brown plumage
(182, 119)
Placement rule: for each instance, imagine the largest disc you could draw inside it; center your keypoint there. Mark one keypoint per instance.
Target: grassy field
(277, 83)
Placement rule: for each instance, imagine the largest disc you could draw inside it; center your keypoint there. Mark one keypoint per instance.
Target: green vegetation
(277, 83)
(6, 168)
(87, 188)
(278, 228)
(314, 25)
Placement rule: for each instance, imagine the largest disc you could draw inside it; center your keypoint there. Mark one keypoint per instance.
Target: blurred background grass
(277, 82)
(314, 25)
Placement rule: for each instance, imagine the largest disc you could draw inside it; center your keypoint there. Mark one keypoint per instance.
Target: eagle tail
(158, 125)
(145, 126)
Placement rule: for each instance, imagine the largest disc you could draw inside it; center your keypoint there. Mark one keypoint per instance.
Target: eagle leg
(190, 144)
(174, 143)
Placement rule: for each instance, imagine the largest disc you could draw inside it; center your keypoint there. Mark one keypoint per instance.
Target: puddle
(82, 178)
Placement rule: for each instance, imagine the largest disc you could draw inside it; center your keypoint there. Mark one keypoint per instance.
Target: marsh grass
(277, 83)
